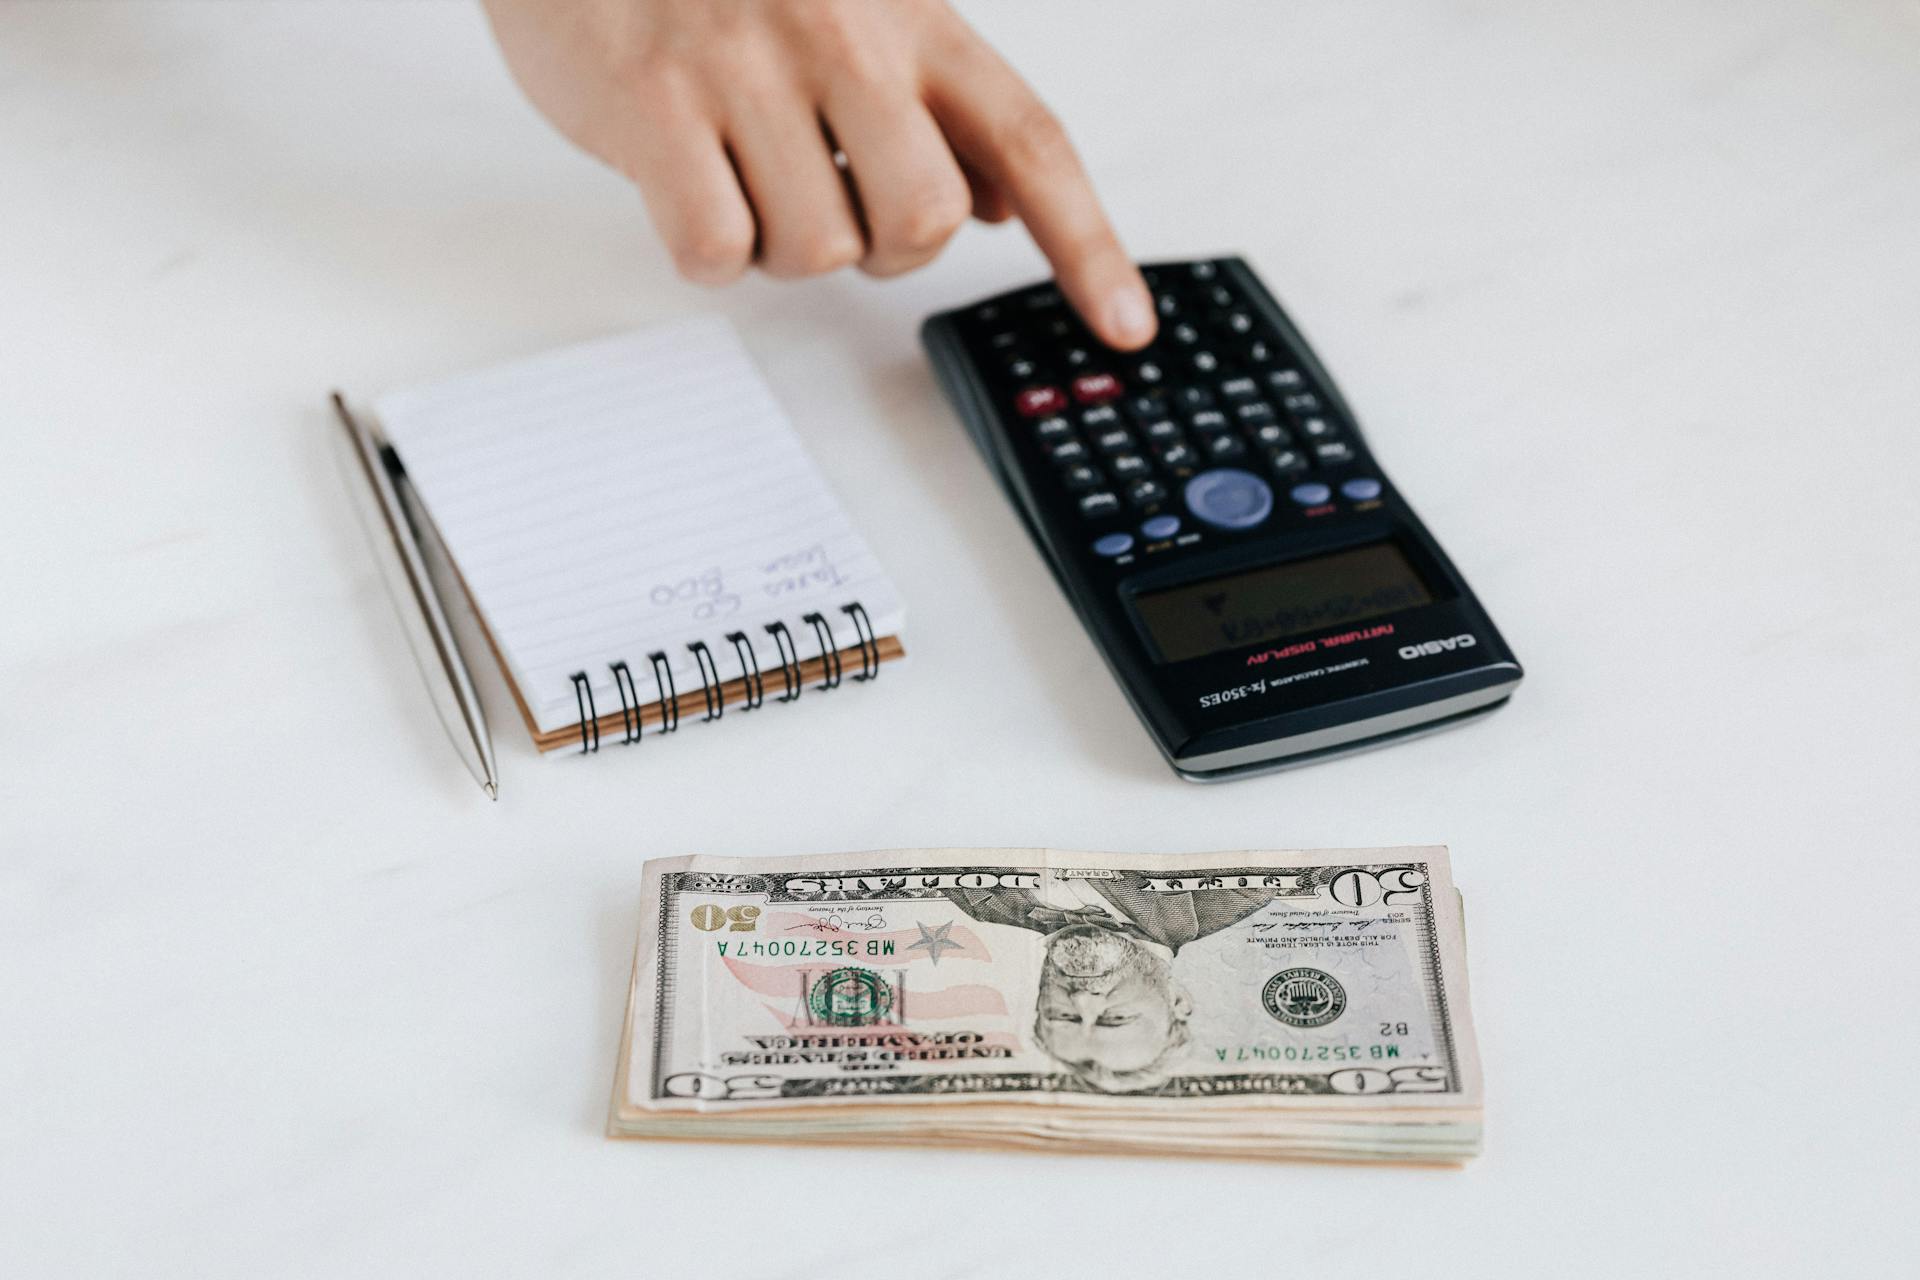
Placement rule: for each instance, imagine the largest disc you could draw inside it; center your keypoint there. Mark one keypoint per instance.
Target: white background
(1626, 296)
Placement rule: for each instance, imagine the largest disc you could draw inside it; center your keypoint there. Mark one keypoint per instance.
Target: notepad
(642, 535)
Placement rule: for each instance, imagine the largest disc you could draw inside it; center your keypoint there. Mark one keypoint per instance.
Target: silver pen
(375, 473)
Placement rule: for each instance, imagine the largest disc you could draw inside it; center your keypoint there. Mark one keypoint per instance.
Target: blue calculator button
(1365, 489)
(1114, 544)
(1229, 498)
(1311, 494)
(1161, 526)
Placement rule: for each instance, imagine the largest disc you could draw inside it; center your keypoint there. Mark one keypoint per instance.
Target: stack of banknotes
(1306, 1005)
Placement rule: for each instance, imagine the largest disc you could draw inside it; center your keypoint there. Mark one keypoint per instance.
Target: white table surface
(1626, 294)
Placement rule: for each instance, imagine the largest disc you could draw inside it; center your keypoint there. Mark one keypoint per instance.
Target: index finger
(999, 127)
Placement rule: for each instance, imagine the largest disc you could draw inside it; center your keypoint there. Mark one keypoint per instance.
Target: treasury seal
(850, 997)
(1304, 997)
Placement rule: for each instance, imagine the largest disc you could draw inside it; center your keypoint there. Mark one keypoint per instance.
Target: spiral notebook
(642, 536)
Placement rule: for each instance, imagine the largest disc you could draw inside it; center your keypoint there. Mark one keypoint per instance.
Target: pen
(397, 546)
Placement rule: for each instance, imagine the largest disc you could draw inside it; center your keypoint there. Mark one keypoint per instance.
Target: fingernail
(1130, 316)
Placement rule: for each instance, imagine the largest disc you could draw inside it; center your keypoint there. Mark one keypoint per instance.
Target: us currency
(1307, 1004)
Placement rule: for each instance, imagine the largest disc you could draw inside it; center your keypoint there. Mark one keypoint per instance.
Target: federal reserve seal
(1304, 997)
(850, 997)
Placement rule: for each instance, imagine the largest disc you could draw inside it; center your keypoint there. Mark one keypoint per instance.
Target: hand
(727, 114)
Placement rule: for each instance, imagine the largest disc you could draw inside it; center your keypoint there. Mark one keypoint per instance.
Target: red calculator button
(1038, 402)
(1095, 388)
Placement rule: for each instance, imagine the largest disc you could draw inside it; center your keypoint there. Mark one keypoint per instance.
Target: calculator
(1262, 592)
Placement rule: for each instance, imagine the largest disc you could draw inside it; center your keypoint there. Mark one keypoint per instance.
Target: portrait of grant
(1109, 1008)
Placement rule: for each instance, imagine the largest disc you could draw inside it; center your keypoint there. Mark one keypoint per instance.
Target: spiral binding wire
(589, 718)
(669, 696)
(789, 660)
(630, 721)
(750, 670)
(829, 651)
(713, 689)
(869, 643)
(709, 680)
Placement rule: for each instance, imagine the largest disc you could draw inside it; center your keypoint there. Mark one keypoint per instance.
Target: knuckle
(817, 255)
(928, 220)
(834, 27)
(846, 48)
(713, 253)
(647, 71)
(1032, 136)
(832, 253)
(1082, 248)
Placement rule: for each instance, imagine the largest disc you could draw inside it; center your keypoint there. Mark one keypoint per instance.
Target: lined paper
(629, 496)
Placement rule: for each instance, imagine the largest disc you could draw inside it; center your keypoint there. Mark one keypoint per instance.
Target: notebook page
(628, 496)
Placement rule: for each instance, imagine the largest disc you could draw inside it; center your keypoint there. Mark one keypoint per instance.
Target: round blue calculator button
(1311, 494)
(1114, 544)
(1161, 526)
(1229, 498)
(1365, 489)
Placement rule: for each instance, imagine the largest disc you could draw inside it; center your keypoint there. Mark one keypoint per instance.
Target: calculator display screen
(1279, 601)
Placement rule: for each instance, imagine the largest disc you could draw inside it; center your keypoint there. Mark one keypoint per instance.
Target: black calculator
(1262, 592)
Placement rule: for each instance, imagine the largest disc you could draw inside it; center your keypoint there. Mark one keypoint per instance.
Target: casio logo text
(1428, 648)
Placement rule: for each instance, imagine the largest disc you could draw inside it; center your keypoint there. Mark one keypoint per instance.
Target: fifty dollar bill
(1258, 1003)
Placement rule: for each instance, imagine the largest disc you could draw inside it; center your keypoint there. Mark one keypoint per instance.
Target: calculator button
(1103, 503)
(1208, 420)
(988, 313)
(1038, 402)
(1221, 296)
(1203, 271)
(1144, 493)
(1041, 299)
(1148, 372)
(1194, 398)
(1053, 430)
(1226, 448)
(1079, 479)
(1271, 435)
(1176, 456)
(1021, 367)
(1255, 412)
(1077, 356)
(1287, 462)
(1128, 464)
(1259, 352)
(1095, 388)
(1338, 451)
(1068, 451)
(1301, 403)
(1114, 440)
(1185, 334)
(1104, 416)
(1160, 526)
(1239, 388)
(1167, 304)
(1160, 429)
(1205, 361)
(1311, 494)
(1113, 544)
(1228, 498)
(1284, 380)
(1317, 429)
(1003, 340)
(1362, 489)
(1240, 322)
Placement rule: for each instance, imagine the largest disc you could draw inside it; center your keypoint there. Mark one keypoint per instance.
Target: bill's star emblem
(934, 940)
